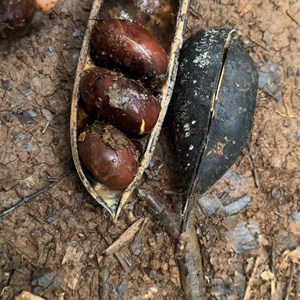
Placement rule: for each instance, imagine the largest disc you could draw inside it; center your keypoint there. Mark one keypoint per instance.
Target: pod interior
(165, 20)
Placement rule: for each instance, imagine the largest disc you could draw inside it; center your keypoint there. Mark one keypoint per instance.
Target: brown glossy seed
(15, 17)
(130, 47)
(108, 155)
(123, 102)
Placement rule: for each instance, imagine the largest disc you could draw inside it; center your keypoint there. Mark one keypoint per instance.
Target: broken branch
(42, 191)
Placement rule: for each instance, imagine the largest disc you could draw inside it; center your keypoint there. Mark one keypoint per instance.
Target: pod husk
(171, 39)
(212, 108)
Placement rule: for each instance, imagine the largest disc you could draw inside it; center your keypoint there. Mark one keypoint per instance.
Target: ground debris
(124, 238)
(73, 266)
(212, 204)
(268, 79)
(242, 237)
(43, 277)
(37, 72)
(28, 296)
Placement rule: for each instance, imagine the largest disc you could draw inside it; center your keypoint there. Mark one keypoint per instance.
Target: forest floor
(50, 245)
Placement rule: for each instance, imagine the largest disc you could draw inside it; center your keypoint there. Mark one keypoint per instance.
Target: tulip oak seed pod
(171, 37)
(212, 108)
(130, 47)
(108, 155)
(122, 101)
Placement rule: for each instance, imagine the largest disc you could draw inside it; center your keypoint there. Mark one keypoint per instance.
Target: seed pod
(130, 47)
(212, 107)
(108, 155)
(170, 36)
(15, 17)
(123, 102)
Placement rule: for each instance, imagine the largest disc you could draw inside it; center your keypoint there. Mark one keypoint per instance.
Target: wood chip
(124, 238)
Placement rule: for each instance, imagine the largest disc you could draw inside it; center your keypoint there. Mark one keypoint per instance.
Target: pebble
(295, 217)
(27, 116)
(287, 123)
(26, 86)
(6, 85)
(137, 252)
(268, 80)
(42, 277)
(152, 274)
(77, 33)
(276, 193)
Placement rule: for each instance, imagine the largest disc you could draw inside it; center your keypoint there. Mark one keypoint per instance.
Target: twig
(25, 199)
(169, 220)
(124, 238)
(190, 263)
(251, 280)
(104, 288)
(293, 16)
(121, 260)
(258, 44)
(289, 288)
(136, 239)
(188, 248)
(254, 171)
(273, 280)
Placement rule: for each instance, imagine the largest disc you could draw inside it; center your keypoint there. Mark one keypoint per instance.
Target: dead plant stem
(40, 192)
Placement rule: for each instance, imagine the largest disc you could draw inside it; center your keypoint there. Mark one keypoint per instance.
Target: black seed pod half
(212, 107)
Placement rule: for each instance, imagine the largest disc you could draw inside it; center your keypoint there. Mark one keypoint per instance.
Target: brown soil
(50, 245)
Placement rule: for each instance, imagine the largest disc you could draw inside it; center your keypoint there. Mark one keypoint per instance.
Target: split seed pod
(212, 107)
(165, 25)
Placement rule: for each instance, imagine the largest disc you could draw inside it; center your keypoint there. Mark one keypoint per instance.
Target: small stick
(42, 191)
(169, 220)
(118, 256)
(273, 280)
(289, 288)
(137, 237)
(124, 238)
(104, 288)
(122, 262)
(293, 16)
(258, 44)
(190, 263)
(251, 280)
(254, 171)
